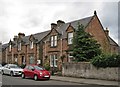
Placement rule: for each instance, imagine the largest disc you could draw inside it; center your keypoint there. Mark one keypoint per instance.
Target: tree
(84, 46)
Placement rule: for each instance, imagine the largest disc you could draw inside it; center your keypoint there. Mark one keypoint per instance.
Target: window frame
(31, 45)
(19, 46)
(70, 38)
(10, 48)
(53, 41)
(53, 58)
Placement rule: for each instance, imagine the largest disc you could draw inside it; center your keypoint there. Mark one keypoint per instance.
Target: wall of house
(96, 30)
(3, 56)
(87, 70)
(114, 49)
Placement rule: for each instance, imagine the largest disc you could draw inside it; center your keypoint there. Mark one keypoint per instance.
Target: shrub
(47, 66)
(23, 66)
(106, 61)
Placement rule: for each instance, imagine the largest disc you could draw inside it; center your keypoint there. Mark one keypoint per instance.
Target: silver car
(11, 69)
(0, 68)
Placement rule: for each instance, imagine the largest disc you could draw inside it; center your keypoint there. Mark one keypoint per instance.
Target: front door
(23, 60)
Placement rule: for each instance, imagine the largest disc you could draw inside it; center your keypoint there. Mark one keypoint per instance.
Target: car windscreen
(14, 66)
(39, 68)
(0, 65)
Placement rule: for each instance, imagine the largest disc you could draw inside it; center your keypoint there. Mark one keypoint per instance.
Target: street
(18, 81)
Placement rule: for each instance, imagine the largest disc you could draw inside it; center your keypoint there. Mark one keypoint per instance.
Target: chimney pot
(60, 22)
(53, 25)
(15, 38)
(107, 31)
(21, 35)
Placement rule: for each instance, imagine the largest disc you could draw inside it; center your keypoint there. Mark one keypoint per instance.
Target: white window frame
(70, 37)
(70, 57)
(31, 44)
(19, 46)
(10, 48)
(53, 40)
(31, 60)
(53, 58)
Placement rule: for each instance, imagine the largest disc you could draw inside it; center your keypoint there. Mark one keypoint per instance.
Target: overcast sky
(33, 16)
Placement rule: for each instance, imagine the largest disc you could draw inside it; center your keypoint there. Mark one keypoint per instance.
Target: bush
(106, 61)
(23, 66)
(47, 66)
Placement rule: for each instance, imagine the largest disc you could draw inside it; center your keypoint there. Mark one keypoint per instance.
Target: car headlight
(41, 73)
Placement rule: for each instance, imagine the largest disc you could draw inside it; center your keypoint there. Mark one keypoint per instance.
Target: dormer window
(19, 46)
(31, 44)
(70, 37)
(10, 47)
(53, 40)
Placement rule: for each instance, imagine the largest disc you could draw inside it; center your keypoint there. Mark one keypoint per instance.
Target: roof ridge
(79, 19)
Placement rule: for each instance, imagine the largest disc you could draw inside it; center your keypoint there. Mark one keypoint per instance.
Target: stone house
(54, 46)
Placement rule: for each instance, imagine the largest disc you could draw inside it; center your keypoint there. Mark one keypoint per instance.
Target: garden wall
(87, 70)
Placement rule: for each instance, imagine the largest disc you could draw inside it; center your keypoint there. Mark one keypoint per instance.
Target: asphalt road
(8, 81)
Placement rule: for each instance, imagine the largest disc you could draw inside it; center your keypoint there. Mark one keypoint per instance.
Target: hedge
(106, 61)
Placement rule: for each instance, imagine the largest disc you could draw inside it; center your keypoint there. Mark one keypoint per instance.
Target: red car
(36, 72)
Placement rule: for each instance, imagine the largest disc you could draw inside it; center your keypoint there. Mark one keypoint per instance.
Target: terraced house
(54, 46)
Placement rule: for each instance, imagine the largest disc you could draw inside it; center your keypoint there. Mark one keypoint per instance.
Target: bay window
(53, 60)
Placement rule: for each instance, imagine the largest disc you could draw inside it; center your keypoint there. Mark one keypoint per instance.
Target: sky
(34, 16)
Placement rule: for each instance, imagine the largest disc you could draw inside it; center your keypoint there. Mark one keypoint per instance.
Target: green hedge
(106, 61)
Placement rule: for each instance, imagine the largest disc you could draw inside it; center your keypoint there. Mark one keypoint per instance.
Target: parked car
(36, 72)
(12, 69)
(1, 67)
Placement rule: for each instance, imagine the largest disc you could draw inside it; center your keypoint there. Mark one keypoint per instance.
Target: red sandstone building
(50, 46)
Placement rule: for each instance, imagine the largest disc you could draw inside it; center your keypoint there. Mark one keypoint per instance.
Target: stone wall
(87, 70)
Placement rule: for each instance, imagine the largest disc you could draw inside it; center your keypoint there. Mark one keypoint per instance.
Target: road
(18, 81)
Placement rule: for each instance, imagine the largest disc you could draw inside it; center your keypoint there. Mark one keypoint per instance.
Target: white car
(11, 69)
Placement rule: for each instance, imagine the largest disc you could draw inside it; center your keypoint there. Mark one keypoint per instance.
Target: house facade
(54, 46)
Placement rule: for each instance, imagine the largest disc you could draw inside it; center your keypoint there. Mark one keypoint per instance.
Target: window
(31, 45)
(31, 61)
(10, 47)
(19, 46)
(53, 60)
(53, 41)
(70, 57)
(70, 38)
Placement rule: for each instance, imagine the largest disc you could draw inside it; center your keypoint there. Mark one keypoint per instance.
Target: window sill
(53, 46)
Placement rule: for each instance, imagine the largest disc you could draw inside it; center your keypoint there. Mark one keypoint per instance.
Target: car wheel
(35, 77)
(2, 72)
(23, 75)
(11, 73)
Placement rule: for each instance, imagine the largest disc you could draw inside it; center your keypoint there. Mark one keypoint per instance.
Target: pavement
(84, 80)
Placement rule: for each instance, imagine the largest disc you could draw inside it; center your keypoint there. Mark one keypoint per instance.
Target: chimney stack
(95, 13)
(21, 35)
(60, 22)
(53, 25)
(107, 31)
(15, 38)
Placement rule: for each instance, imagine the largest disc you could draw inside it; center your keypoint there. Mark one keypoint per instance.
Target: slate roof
(38, 37)
(4, 46)
(61, 30)
(84, 22)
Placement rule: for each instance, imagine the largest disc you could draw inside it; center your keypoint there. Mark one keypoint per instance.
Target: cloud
(33, 16)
